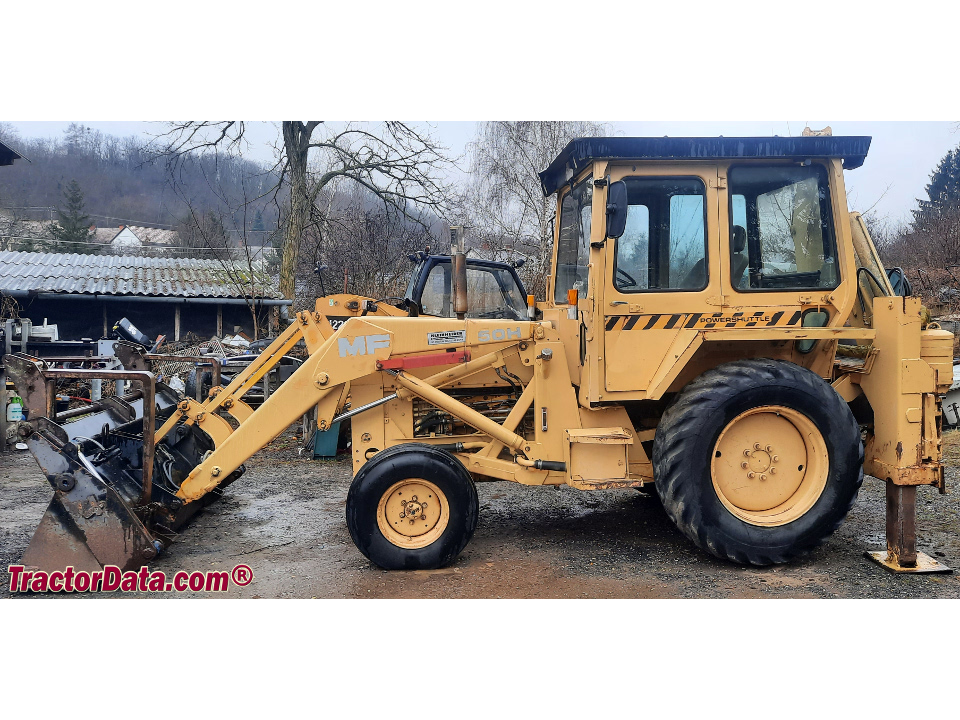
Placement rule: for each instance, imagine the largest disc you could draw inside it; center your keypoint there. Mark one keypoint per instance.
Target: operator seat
(697, 277)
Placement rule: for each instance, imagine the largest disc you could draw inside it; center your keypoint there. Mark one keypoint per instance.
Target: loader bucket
(114, 497)
(87, 524)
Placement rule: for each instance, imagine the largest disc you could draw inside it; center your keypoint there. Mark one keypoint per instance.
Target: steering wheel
(502, 313)
(498, 314)
(630, 282)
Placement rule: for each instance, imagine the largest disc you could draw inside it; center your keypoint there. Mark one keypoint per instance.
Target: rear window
(783, 212)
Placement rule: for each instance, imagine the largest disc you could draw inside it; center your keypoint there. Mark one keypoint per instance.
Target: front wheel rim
(413, 513)
(770, 465)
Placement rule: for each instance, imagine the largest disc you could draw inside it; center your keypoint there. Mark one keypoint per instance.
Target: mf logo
(362, 345)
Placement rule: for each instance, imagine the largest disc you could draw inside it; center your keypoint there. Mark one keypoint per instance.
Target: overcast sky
(902, 154)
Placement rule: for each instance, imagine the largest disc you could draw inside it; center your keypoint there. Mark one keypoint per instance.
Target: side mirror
(616, 209)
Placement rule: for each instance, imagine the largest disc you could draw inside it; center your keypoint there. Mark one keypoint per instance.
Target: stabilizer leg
(901, 555)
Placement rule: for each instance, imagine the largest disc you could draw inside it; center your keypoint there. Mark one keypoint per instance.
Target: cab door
(662, 276)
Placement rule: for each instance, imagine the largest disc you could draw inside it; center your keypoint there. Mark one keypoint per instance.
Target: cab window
(573, 242)
(781, 234)
(664, 245)
(491, 293)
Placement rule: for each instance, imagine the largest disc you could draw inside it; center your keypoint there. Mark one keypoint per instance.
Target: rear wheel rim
(413, 513)
(770, 465)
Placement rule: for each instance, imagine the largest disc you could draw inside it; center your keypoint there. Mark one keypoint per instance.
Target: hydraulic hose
(542, 464)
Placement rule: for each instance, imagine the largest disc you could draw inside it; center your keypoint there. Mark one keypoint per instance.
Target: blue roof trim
(581, 151)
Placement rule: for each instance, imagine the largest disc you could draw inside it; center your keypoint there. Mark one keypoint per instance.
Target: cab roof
(581, 151)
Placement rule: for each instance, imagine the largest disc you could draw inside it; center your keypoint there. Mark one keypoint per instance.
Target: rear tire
(412, 507)
(758, 461)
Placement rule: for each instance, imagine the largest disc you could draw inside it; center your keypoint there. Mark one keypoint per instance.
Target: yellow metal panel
(633, 357)
(918, 377)
(895, 387)
(600, 436)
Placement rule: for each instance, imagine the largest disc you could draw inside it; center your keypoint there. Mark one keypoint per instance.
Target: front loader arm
(350, 353)
(361, 347)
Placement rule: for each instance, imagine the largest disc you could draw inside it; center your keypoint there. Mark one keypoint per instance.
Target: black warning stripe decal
(734, 320)
(701, 321)
(693, 320)
(754, 322)
(672, 321)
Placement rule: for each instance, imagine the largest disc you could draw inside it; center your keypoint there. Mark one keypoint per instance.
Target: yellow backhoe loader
(716, 324)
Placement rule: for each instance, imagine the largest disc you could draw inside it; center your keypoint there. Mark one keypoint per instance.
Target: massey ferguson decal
(362, 345)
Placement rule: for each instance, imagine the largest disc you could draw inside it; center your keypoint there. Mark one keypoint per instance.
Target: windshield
(492, 292)
(573, 243)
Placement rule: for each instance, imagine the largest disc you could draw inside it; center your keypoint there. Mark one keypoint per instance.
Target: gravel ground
(285, 519)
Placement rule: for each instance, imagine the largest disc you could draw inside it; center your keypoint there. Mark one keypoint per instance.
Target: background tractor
(717, 324)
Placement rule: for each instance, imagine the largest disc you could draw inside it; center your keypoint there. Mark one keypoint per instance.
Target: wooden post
(106, 330)
(176, 322)
(220, 321)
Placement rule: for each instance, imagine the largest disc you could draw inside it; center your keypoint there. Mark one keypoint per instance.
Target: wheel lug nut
(773, 471)
(763, 477)
(756, 446)
(744, 465)
(751, 475)
(769, 448)
(746, 453)
(776, 458)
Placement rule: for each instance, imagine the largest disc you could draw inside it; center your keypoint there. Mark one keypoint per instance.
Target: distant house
(128, 236)
(86, 294)
(125, 237)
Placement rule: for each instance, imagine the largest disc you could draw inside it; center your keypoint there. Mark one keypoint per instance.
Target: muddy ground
(285, 519)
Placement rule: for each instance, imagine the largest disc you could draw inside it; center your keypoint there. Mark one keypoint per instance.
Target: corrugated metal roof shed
(125, 275)
(8, 155)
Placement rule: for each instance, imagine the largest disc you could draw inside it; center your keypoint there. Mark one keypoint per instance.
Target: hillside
(122, 182)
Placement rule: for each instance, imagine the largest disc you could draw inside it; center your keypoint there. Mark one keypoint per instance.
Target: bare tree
(504, 202)
(394, 161)
(221, 235)
(362, 247)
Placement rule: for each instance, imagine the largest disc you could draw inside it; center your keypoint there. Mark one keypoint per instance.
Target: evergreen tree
(943, 192)
(72, 228)
(258, 222)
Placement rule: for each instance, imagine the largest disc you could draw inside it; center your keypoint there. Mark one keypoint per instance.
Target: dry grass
(951, 448)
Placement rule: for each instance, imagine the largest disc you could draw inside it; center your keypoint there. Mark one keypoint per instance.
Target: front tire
(758, 461)
(412, 507)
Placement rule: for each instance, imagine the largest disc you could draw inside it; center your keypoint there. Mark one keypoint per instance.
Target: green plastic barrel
(325, 442)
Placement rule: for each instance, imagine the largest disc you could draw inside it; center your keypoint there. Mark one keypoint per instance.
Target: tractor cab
(658, 239)
(494, 289)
